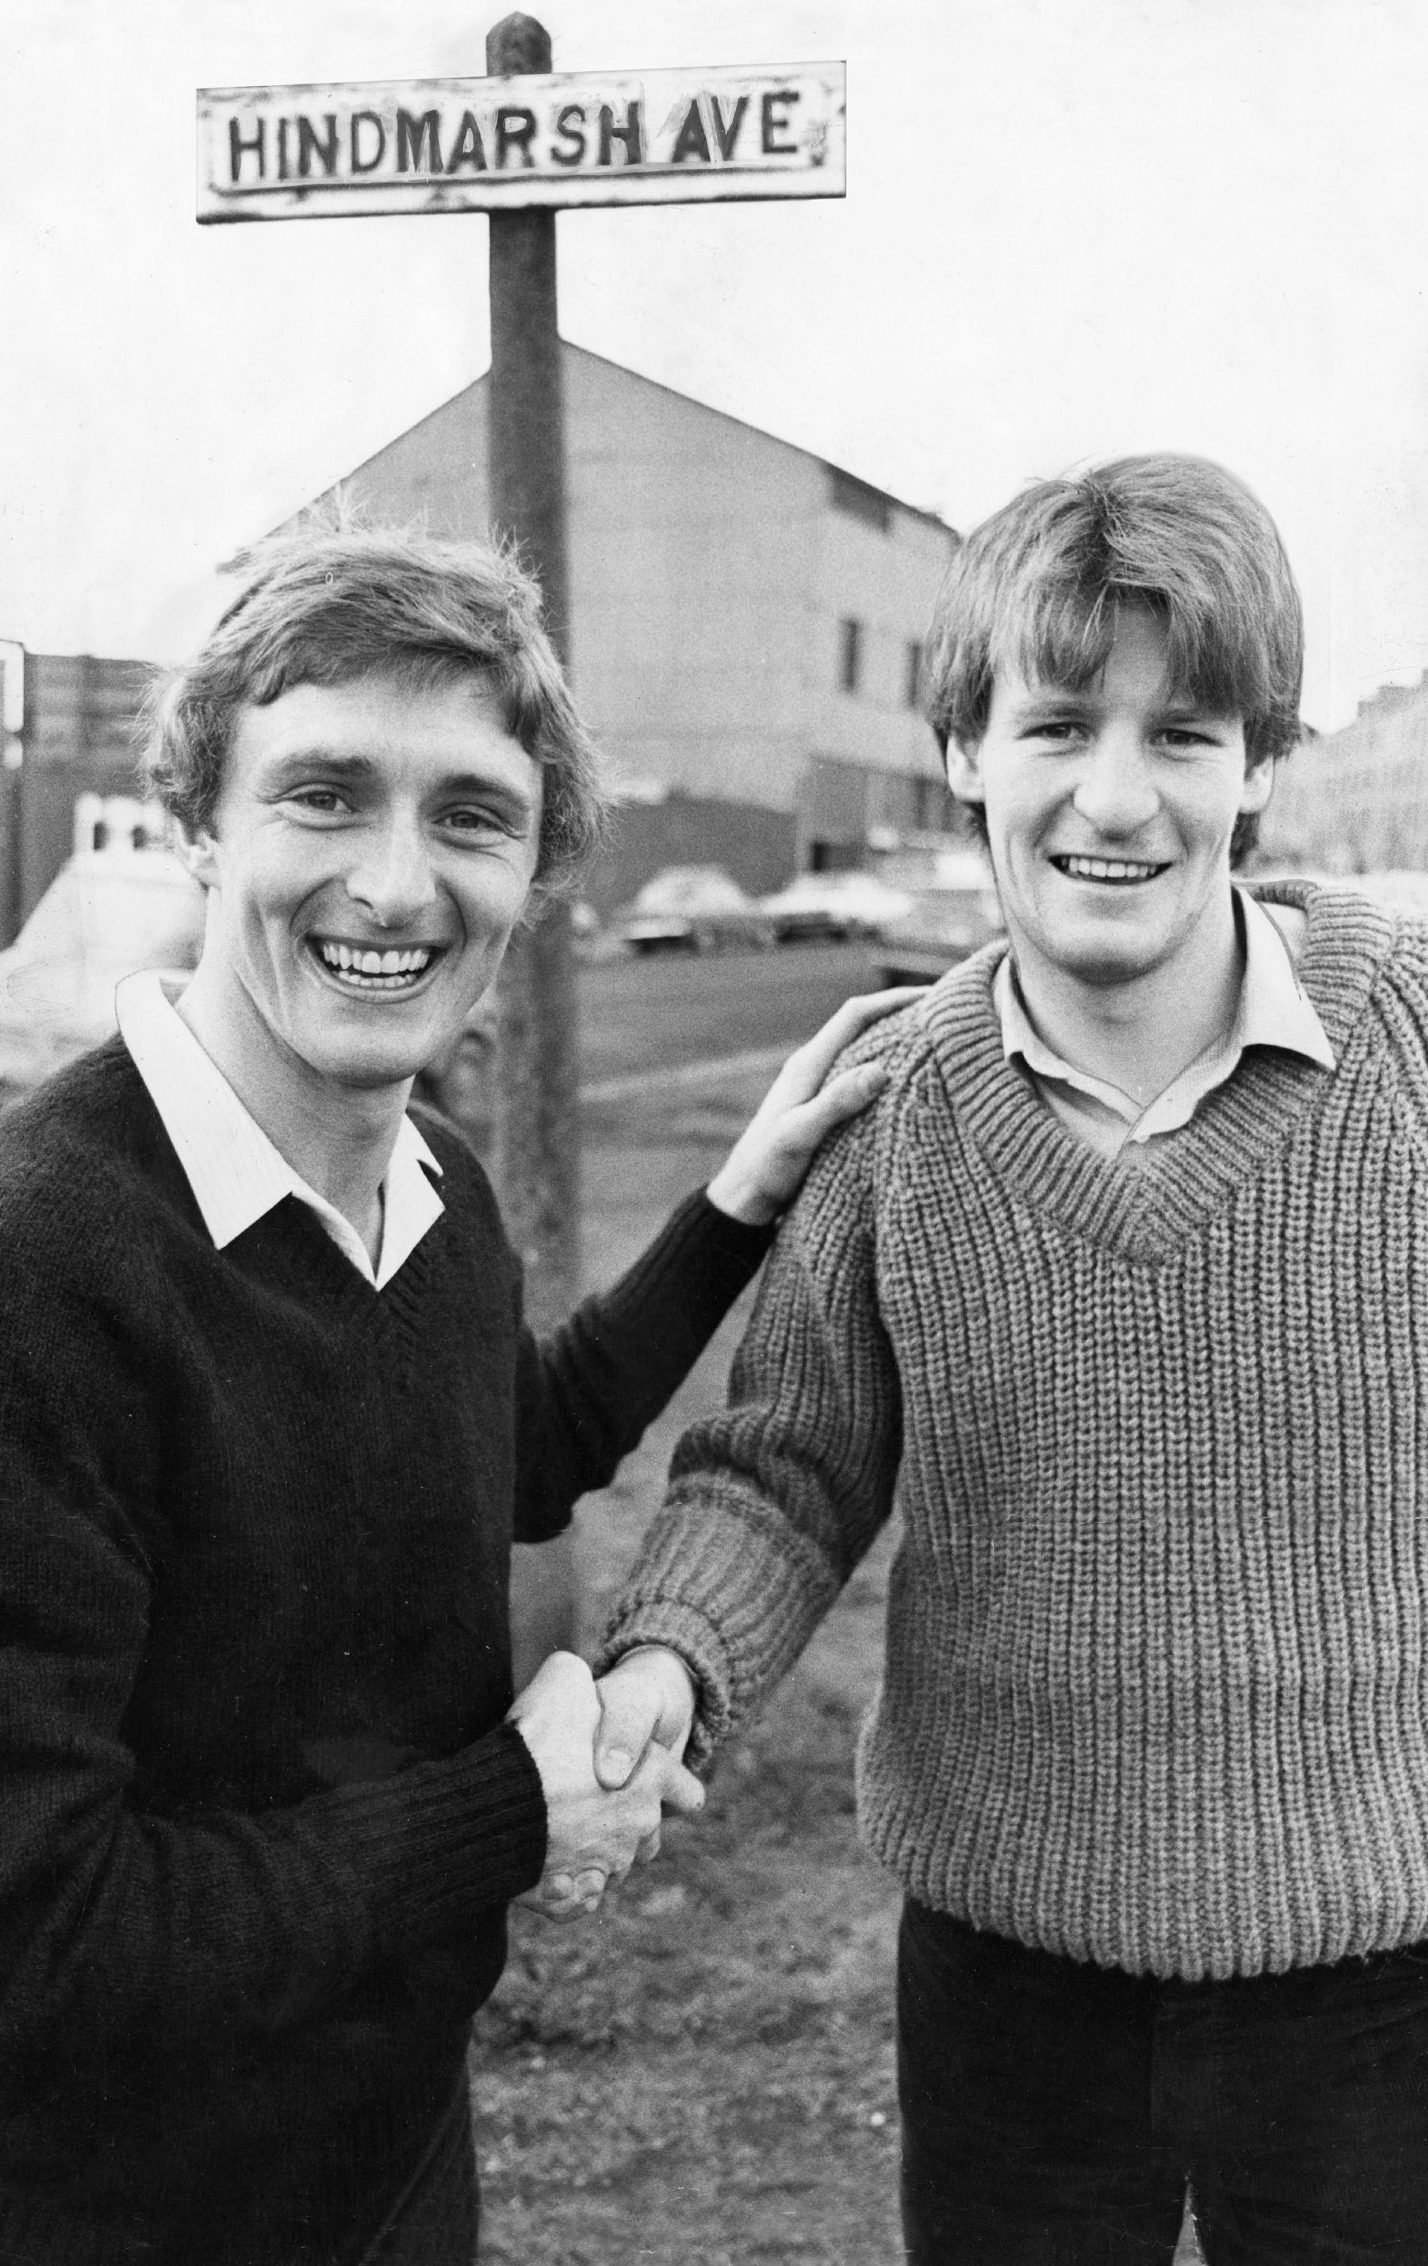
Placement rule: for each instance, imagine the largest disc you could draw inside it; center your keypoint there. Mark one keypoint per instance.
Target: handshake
(608, 1755)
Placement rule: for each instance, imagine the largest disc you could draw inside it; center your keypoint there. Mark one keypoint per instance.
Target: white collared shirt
(1273, 1010)
(235, 1172)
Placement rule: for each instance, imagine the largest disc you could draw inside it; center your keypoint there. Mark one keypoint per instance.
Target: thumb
(629, 1719)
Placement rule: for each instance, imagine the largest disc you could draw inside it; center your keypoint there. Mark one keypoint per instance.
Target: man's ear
(1259, 786)
(200, 854)
(964, 769)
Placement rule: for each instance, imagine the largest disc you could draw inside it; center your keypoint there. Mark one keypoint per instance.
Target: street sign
(495, 144)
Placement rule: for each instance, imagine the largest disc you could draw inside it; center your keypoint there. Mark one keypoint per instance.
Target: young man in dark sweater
(1119, 1290)
(271, 1421)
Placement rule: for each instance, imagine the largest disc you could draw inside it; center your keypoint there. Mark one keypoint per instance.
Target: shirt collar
(1273, 1010)
(234, 1170)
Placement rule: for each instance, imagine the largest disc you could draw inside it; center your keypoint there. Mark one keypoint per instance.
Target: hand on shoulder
(766, 1166)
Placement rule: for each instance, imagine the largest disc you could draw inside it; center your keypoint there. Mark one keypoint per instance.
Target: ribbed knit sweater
(1155, 1691)
(261, 1812)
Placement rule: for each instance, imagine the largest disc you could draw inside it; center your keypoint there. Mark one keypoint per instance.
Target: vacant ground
(703, 2075)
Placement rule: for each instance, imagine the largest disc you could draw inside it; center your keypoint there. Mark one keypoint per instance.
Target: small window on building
(850, 653)
(859, 500)
(912, 690)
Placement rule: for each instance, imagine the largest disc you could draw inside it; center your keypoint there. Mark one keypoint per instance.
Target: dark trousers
(433, 2222)
(1053, 2113)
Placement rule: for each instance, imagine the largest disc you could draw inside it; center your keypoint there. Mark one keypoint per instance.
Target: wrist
(671, 1665)
(741, 1198)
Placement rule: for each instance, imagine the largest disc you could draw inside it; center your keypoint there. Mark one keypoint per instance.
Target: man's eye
(468, 819)
(324, 801)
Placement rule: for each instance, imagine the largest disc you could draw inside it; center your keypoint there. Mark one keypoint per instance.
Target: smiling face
(372, 847)
(1109, 816)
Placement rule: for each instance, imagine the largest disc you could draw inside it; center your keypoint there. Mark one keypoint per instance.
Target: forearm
(734, 1599)
(119, 1911)
(588, 1393)
(773, 1500)
(228, 1925)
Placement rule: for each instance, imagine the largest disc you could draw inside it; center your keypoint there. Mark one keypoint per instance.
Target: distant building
(746, 624)
(77, 739)
(1356, 800)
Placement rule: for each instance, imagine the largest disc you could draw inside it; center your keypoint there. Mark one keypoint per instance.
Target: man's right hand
(647, 1696)
(593, 1834)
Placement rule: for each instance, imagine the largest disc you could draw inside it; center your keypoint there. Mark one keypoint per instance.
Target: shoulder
(1364, 963)
(928, 1048)
(941, 1053)
(908, 1042)
(85, 1139)
(93, 1207)
(1352, 949)
(454, 1152)
(465, 1186)
(1400, 998)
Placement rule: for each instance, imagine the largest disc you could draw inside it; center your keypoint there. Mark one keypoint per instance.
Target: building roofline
(810, 456)
(915, 511)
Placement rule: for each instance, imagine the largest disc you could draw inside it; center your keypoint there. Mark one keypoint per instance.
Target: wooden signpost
(518, 144)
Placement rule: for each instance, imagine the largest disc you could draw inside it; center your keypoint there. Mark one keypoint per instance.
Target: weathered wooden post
(537, 1155)
(537, 1130)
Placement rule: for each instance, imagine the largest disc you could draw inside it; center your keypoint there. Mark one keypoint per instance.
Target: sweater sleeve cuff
(744, 1243)
(681, 1629)
(450, 1839)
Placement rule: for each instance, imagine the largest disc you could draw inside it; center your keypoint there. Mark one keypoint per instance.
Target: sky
(1073, 229)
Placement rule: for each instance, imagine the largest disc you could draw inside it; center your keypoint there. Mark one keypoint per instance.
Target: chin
(1102, 962)
(369, 1068)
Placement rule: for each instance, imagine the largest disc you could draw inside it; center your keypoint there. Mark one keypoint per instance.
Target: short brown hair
(328, 604)
(1039, 585)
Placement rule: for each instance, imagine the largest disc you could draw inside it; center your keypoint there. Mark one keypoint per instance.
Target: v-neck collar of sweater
(1143, 1204)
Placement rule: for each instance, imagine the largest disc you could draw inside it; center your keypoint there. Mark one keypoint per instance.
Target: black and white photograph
(714, 1133)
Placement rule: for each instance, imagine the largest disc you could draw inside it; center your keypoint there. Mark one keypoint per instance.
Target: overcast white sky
(1073, 228)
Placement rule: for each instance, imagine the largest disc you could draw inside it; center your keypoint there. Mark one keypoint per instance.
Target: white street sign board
(492, 144)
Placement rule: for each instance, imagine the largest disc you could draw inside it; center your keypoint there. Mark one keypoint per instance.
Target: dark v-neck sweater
(261, 1812)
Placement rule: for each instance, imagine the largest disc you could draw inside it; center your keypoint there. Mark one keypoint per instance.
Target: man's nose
(1115, 791)
(392, 877)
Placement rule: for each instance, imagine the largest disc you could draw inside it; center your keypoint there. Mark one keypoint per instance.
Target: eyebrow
(360, 770)
(1050, 699)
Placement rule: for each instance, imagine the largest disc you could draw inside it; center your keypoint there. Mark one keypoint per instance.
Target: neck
(1139, 1035)
(337, 1138)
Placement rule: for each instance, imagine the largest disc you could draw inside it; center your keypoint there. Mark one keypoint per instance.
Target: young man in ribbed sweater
(271, 1421)
(1121, 1290)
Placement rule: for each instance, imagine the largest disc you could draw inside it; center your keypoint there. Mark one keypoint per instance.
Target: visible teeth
(352, 960)
(1106, 869)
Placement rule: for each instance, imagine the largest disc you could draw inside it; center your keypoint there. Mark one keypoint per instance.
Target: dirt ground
(703, 2075)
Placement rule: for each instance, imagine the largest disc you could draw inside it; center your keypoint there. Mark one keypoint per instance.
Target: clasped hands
(609, 1758)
